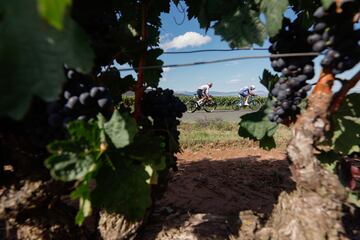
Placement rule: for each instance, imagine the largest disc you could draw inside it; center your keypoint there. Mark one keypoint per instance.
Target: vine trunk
(315, 209)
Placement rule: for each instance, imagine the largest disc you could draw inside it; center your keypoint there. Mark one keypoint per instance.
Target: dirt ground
(218, 191)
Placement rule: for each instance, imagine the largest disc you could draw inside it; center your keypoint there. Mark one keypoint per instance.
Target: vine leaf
(329, 159)
(117, 85)
(257, 126)
(121, 129)
(152, 76)
(345, 137)
(123, 190)
(267, 142)
(74, 158)
(53, 11)
(268, 79)
(152, 154)
(32, 55)
(274, 10)
(327, 3)
(242, 28)
(82, 192)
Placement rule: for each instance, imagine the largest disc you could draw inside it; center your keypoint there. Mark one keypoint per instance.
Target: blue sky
(226, 77)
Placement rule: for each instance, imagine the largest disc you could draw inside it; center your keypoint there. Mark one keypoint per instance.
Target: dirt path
(208, 196)
(226, 115)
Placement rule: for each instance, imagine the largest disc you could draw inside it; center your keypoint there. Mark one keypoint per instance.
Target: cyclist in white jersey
(203, 92)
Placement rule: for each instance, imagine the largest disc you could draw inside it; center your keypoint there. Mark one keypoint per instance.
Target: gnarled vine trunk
(314, 210)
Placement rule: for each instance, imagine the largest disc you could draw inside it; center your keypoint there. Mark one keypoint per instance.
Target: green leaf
(152, 150)
(346, 137)
(70, 166)
(329, 160)
(256, 125)
(268, 79)
(274, 11)
(124, 190)
(267, 142)
(121, 129)
(353, 197)
(345, 125)
(350, 107)
(82, 192)
(84, 133)
(74, 158)
(117, 85)
(327, 3)
(32, 55)
(53, 11)
(241, 28)
(152, 76)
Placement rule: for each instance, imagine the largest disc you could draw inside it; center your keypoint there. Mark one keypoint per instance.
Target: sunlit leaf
(53, 11)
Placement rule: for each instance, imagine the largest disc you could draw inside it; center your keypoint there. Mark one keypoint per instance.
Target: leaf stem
(340, 96)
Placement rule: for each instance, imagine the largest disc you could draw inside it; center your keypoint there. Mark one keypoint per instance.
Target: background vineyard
(223, 102)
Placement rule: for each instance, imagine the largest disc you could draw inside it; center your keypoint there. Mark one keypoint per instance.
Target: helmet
(210, 84)
(252, 87)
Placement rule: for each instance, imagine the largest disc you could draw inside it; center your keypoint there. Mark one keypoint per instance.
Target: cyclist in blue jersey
(246, 92)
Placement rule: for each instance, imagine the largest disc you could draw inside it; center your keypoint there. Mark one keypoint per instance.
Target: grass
(221, 133)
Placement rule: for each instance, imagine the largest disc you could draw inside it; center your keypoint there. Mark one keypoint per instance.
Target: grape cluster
(81, 100)
(164, 108)
(334, 32)
(291, 87)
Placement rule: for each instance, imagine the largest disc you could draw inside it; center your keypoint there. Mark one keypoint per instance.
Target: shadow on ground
(204, 198)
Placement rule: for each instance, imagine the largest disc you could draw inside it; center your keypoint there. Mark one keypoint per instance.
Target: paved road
(226, 115)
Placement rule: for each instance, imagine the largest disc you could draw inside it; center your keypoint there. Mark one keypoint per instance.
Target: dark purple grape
(104, 102)
(320, 26)
(83, 118)
(73, 103)
(97, 92)
(67, 94)
(319, 46)
(319, 13)
(313, 38)
(85, 98)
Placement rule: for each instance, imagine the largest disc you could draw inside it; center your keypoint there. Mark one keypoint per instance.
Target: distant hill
(214, 93)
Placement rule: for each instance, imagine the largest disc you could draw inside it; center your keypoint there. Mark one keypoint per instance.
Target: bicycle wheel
(209, 106)
(255, 105)
(235, 105)
(192, 106)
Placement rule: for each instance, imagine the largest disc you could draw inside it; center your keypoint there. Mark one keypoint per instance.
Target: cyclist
(203, 92)
(246, 92)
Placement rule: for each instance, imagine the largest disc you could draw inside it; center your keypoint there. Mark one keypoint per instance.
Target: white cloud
(188, 39)
(166, 69)
(166, 37)
(233, 81)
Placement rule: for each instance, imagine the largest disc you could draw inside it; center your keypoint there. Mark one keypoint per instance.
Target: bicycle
(209, 105)
(254, 104)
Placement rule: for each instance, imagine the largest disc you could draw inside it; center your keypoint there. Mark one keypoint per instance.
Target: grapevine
(291, 87)
(67, 134)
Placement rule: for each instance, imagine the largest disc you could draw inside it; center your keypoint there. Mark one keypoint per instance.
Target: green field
(221, 133)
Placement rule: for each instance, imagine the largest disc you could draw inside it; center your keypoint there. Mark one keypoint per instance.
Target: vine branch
(340, 96)
(140, 76)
